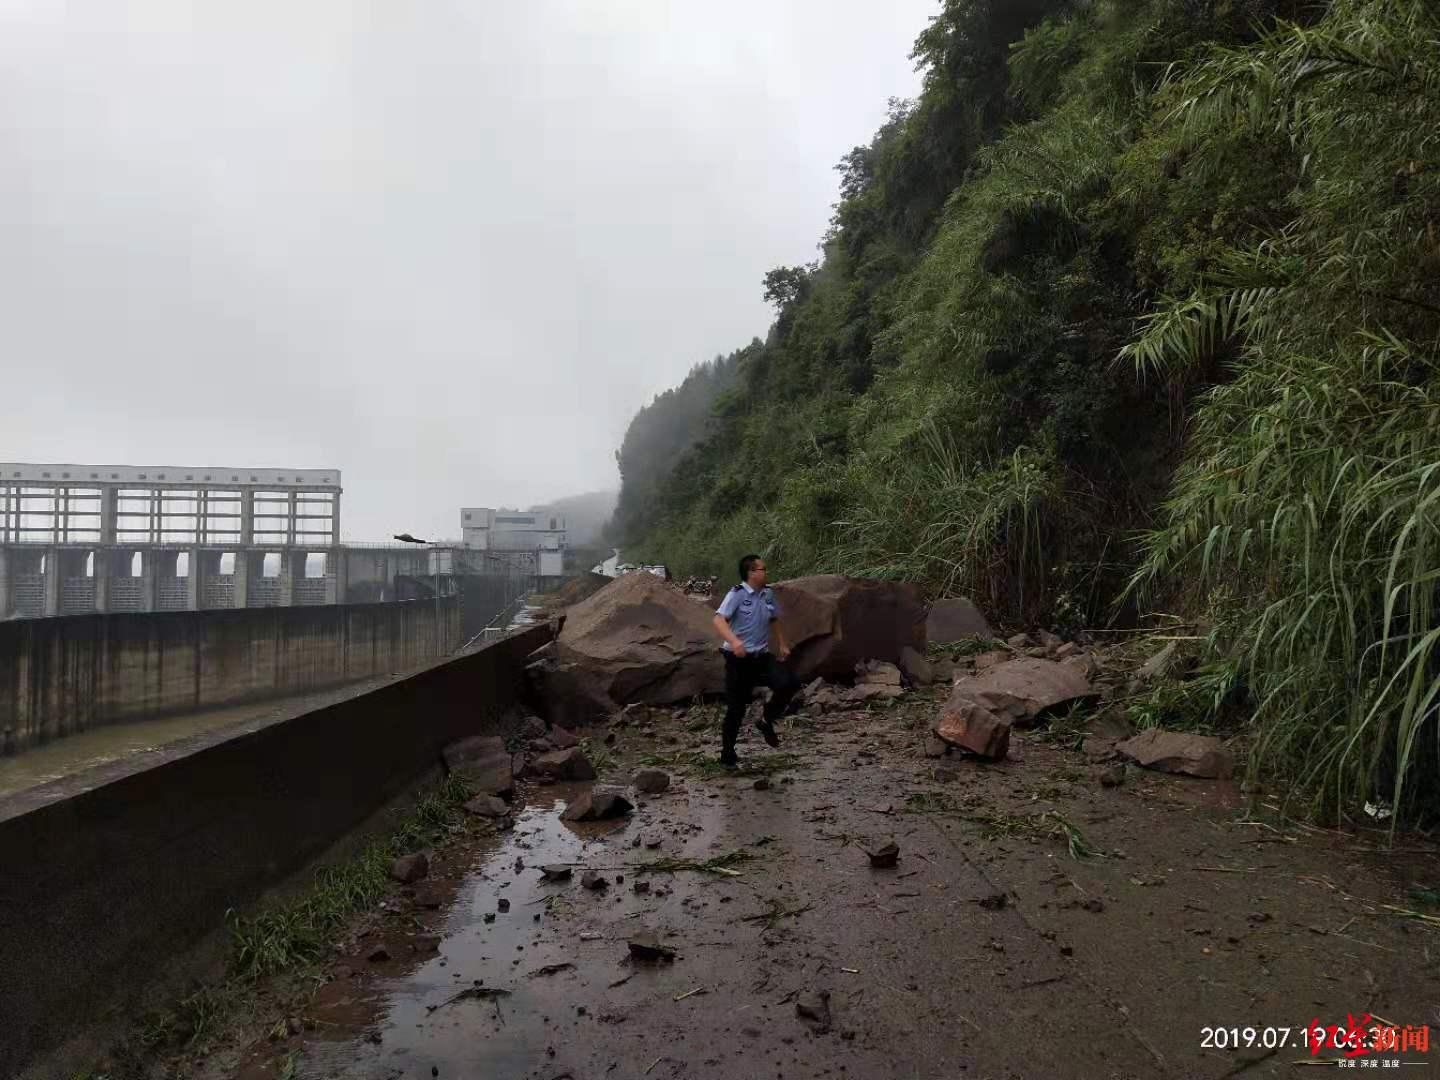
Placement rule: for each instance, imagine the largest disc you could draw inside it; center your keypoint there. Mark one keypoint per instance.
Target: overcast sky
(446, 247)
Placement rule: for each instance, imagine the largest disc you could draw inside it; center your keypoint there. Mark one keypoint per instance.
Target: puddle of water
(402, 1032)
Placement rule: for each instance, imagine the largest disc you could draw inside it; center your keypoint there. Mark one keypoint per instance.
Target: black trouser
(742, 676)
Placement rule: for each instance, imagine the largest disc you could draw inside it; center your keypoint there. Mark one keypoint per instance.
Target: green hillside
(1135, 306)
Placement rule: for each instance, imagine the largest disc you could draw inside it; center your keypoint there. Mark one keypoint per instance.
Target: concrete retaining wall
(67, 674)
(105, 875)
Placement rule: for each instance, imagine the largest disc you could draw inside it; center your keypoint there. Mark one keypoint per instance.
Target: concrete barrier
(68, 674)
(105, 874)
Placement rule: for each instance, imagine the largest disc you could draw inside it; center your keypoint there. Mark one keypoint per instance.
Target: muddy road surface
(1036, 924)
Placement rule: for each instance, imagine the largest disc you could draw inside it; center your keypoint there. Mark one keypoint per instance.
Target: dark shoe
(766, 728)
(728, 760)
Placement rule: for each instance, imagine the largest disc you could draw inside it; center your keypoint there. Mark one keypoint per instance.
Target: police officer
(743, 620)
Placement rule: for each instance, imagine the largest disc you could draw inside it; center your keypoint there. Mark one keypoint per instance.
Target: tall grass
(1308, 508)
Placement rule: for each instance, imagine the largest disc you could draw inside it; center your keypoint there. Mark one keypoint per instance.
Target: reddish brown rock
(833, 622)
(640, 640)
(564, 765)
(408, 868)
(972, 726)
(483, 762)
(953, 620)
(1176, 752)
(1025, 688)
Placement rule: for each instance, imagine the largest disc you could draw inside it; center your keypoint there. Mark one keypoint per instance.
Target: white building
(540, 531)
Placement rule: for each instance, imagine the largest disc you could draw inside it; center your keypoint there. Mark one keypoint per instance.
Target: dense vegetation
(1137, 304)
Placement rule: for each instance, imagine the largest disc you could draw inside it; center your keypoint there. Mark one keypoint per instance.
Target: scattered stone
(483, 762)
(502, 904)
(917, 669)
(533, 728)
(598, 804)
(815, 1008)
(653, 843)
(569, 764)
(562, 739)
(556, 872)
(954, 619)
(487, 806)
(994, 902)
(936, 747)
(762, 784)
(945, 776)
(970, 726)
(987, 660)
(408, 868)
(1094, 904)
(877, 673)
(378, 954)
(641, 887)
(648, 947)
(593, 881)
(489, 916)
(1176, 752)
(885, 856)
(1049, 640)
(651, 781)
(982, 707)
(425, 943)
(1068, 649)
(539, 746)
(1114, 776)
(1018, 641)
(942, 670)
(428, 896)
(1039, 652)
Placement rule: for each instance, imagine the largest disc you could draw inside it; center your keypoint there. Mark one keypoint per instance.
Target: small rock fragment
(593, 881)
(936, 747)
(994, 902)
(377, 954)
(487, 806)
(762, 784)
(410, 868)
(651, 781)
(642, 887)
(648, 947)
(556, 872)
(885, 856)
(598, 804)
(1114, 776)
(502, 904)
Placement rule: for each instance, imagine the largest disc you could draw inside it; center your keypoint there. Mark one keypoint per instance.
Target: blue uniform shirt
(749, 614)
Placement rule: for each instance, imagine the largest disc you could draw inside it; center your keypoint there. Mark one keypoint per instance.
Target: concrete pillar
(336, 576)
(247, 517)
(109, 503)
(53, 576)
(335, 521)
(104, 564)
(290, 521)
(242, 579)
(149, 580)
(288, 575)
(7, 603)
(195, 583)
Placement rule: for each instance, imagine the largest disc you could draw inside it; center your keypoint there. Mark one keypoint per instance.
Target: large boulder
(1024, 689)
(982, 708)
(833, 622)
(955, 619)
(483, 762)
(1178, 752)
(636, 640)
